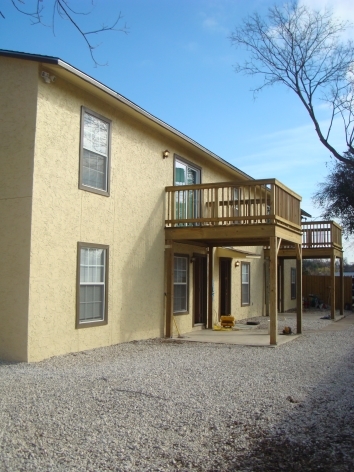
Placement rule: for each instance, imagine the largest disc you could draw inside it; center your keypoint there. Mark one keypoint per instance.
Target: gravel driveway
(173, 405)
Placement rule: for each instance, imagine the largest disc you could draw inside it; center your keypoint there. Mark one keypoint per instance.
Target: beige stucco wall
(42, 227)
(185, 321)
(130, 222)
(44, 215)
(257, 286)
(256, 307)
(18, 92)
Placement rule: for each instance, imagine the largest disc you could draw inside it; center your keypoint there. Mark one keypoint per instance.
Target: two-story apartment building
(112, 221)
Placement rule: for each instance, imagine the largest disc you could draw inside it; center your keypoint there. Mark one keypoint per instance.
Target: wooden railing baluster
(229, 203)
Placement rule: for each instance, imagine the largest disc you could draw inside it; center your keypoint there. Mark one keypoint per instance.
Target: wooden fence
(320, 285)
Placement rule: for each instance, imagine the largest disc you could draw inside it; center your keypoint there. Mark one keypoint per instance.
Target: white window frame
(187, 201)
(83, 322)
(185, 284)
(104, 153)
(245, 282)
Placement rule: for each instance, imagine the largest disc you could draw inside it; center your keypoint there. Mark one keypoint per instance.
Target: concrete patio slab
(340, 324)
(244, 337)
(249, 336)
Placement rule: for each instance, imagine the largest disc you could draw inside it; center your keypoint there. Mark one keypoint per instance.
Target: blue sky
(177, 63)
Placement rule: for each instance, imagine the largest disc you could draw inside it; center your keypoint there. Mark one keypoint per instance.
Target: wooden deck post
(281, 286)
(333, 287)
(169, 256)
(272, 201)
(210, 287)
(299, 288)
(266, 283)
(273, 296)
(341, 285)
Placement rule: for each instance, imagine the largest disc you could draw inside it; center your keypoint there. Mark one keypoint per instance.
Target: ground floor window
(245, 283)
(180, 298)
(92, 285)
(293, 283)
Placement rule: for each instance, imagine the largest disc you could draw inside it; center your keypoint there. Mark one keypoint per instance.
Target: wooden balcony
(253, 213)
(236, 213)
(318, 236)
(320, 239)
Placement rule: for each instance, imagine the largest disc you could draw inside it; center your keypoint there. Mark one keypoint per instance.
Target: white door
(187, 202)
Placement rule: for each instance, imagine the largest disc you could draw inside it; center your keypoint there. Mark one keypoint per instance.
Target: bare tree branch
(65, 11)
(303, 50)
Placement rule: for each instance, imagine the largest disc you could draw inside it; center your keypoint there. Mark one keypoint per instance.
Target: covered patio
(244, 337)
(258, 336)
(234, 214)
(321, 240)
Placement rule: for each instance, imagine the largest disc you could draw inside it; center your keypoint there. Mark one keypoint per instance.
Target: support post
(281, 286)
(169, 255)
(341, 286)
(210, 287)
(299, 289)
(333, 287)
(267, 287)
(272, 202)
(273, 296)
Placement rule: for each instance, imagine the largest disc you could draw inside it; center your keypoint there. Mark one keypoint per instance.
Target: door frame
(187, 201)
(200, 288)
(225, 305)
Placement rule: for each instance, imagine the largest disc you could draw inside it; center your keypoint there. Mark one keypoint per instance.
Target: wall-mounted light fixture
(47, 77)
(192, 259)
(165, 154)
(237, 263)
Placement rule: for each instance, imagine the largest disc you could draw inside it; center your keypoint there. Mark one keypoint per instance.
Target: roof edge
(59, 62)
(29, 57)
(148, 115)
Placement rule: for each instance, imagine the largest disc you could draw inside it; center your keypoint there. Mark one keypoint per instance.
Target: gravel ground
(172, 405)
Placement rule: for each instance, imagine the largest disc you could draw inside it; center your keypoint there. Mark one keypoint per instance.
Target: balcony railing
(229, 203)
(321, 234)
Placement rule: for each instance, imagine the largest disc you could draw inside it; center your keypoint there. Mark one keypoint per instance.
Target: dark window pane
(180, 298)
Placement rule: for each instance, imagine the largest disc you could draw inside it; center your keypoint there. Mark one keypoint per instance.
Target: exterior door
(187, 202)
(200, 289)
(225, 286)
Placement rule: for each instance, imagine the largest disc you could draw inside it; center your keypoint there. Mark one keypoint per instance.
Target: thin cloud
(146, 63)
(342, 9)
(288, 155)
(211, 24)
(305, 134)
(192, 46)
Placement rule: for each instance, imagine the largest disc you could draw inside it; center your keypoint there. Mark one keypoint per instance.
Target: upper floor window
(186, 173)
(187, 201)
(94, 152)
